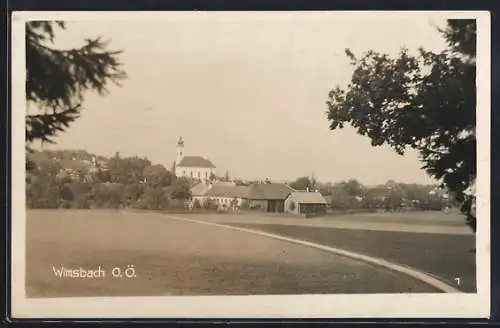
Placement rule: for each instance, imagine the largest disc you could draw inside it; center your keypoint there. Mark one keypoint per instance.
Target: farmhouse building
(193, 167)
(199, 190)
(228, 196)
(306, 203)
(269, 197)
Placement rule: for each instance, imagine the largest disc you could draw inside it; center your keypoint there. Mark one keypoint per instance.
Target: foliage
(425, 102)
(57, 79)
(128, 169)
(49, 185)
(155, 198)
(181, 189)
(352, 187)
(301, 183)
(157, 176)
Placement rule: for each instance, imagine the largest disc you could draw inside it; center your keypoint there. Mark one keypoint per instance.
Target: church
(193, 167)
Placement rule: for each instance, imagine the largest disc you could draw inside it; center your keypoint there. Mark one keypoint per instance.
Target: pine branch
(59, 78)
(45, 126)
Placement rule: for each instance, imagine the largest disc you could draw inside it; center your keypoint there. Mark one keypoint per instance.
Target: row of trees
(351, 194)
(129, 181)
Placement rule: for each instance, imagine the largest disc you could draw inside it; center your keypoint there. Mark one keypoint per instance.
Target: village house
(193, 167)
(228, 196)
(269, 197)
(199, 190)
(306, 203)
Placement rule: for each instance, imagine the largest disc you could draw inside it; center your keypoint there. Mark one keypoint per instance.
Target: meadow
(178, 258)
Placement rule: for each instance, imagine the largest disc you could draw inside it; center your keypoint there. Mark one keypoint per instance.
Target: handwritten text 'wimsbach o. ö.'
(94, 273)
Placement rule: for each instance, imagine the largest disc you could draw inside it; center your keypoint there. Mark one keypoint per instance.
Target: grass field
(179, 258)
(446, 256)
(435, 242)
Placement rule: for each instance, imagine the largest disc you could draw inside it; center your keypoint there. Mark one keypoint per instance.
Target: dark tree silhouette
(425, 102)
(57, 79)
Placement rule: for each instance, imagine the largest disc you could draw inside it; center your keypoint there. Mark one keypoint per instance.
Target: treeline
(391, 196)
(77, 179)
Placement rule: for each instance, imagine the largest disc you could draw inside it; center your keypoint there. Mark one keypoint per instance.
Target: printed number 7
(457, 279)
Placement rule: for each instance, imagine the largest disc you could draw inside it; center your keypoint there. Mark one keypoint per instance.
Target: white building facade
(192, 167)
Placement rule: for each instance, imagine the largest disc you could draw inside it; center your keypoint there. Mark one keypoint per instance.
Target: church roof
(195, 161)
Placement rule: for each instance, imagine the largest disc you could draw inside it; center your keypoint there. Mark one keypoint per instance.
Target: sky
(247, 92)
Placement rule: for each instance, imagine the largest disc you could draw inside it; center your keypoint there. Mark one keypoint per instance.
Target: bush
(82, 202)
(65, 204)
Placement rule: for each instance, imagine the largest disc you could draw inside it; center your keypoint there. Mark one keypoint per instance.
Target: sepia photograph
(250, 164)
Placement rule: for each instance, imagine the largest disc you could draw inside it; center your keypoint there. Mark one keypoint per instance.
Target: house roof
(224, 183)
(305, 197)
(195, 161)
(228, 191)
(199, 189)
(265, 191)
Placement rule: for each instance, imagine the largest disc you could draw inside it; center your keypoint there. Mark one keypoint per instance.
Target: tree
(301, 183)
(181, 189)
(157, 176)
(128, 169)
(425, 102)
(172, 170)
(353, 188)
(132, 192)
(155, 198)
(107, 195)
(57, 79)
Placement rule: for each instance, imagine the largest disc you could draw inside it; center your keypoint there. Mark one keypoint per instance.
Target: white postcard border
(268, 306)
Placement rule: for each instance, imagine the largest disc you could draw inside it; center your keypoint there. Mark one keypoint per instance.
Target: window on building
(199, 175)
(206, 175)
(191, 172)
(184, 172)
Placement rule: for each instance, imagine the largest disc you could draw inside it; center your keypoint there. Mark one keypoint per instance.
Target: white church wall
(202, 173)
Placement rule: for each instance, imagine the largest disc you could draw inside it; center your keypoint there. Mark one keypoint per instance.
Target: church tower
(179, 151)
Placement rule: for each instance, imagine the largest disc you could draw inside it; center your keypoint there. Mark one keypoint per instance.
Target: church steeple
(180, 142)
(180, 150)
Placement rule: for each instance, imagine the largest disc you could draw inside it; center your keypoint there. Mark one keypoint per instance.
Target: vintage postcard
(250, 164)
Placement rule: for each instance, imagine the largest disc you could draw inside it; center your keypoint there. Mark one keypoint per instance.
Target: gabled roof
(305, 197)
(266, 191)
(195, 161)
(224, 183)
(199, 189)
(228, 191)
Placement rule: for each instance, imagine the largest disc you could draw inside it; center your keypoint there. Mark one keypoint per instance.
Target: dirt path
(365, 222)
